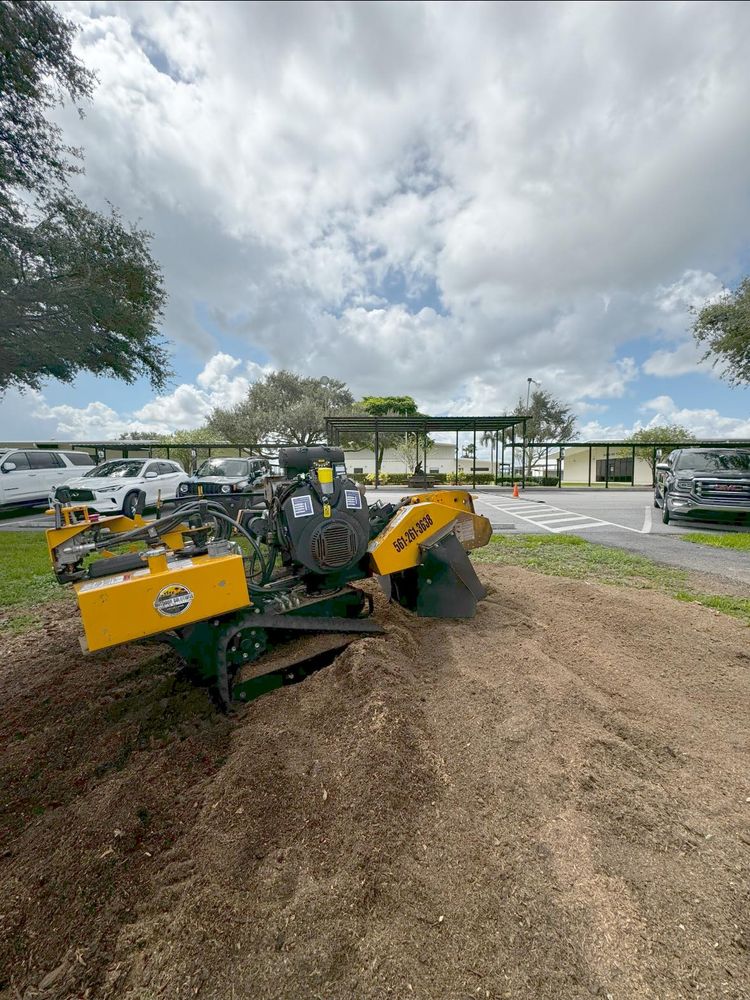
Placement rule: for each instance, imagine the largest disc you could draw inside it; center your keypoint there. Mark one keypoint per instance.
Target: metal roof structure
(341, 429)
(336, 426)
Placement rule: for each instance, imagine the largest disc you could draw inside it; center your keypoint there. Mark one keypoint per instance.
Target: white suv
(29, 476)
(114, 486)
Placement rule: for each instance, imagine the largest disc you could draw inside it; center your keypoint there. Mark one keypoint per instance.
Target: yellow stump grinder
(233, 595)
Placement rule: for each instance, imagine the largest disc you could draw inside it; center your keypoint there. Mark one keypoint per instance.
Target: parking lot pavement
(624, 519)
(33, 519)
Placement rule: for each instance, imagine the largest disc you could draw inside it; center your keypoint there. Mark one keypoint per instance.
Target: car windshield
(715, 461)
(224, 467)
(120, 469)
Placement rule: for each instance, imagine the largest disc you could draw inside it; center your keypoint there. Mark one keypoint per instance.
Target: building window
(620, 470)
(434, 471)
(356, 470)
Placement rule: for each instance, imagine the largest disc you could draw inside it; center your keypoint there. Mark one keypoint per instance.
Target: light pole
(529, 380)
(325, 382)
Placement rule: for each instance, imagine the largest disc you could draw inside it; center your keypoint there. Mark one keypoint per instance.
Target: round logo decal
(173, 600)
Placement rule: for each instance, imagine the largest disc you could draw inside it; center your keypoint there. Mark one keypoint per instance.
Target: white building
(580, 465)
(441, 458)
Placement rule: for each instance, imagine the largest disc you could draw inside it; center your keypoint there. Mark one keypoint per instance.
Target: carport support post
(377, 455)
(456, 458)
(513, 455)
(591, 459)
(606, 473)
(523, 456)
(632, 467)
(474, 459)
(653, 467)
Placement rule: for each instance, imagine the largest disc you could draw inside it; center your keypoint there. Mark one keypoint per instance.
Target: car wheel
(664, 509)
(130, 504)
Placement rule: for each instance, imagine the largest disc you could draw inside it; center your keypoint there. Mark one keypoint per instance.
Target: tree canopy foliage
(386, 406)
(723, 327)
(283, 407)
(79, 290)
(670, 435)
(548, 419)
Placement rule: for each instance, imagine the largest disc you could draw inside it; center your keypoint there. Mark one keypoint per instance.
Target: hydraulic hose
(164, 525)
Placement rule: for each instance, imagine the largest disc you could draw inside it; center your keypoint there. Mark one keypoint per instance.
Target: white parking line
(556, 519)
(562, 516)
(646, 529)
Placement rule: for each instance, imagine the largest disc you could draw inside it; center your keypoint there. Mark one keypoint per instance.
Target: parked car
(703, 482)
(224, 476)
(113, 487)
(28, 476)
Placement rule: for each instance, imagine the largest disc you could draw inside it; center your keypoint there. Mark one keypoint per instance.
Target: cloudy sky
(434, 199)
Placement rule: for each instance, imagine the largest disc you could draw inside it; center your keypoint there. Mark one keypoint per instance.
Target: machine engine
(322, 518)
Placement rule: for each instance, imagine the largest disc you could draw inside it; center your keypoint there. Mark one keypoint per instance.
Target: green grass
(26, 578)
(574, 557)
(738, 607)
(739, 541)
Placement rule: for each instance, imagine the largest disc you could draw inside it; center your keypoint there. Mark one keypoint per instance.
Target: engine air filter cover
(327, 544)
(334, 544)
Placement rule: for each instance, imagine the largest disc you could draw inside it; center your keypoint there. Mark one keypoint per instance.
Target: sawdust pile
(550, 801)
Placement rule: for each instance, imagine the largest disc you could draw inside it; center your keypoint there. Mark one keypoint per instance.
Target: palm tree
(490, 437)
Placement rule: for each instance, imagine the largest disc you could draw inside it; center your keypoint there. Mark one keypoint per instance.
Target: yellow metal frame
(118, 524)
(161, 596)
(165, 593)
(398, 546)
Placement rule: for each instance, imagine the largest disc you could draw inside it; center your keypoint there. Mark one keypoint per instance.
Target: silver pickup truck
(703, 482)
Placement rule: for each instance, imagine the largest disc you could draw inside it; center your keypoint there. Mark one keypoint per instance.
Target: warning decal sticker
(353, 499)
(302, 506)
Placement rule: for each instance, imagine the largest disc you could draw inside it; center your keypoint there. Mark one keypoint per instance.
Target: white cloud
(223, 381)
(683, 360)
(704, 423)
(438, 199)
(296, 169)
(95, 420)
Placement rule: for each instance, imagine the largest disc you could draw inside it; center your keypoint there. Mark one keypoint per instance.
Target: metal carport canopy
(357, 425)
(404, 424)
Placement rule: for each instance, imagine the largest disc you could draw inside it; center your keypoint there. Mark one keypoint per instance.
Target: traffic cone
(516, 494)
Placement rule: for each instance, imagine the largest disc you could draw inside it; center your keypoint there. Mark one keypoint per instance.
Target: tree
(412, 448)
(724, 328)
(79, 290)
(195, 436)
(283, 407)
(549, 419)
(666, 434)
(382, 406)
